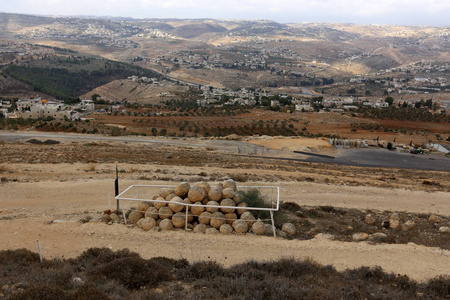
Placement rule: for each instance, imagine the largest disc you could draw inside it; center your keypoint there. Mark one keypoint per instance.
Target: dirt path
(27, 209)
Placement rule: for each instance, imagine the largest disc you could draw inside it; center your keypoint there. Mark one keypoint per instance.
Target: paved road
(354, 157)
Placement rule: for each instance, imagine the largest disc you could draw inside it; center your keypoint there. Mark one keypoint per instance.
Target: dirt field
(46, 190)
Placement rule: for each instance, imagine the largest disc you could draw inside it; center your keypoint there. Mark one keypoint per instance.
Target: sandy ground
(28, 209)
(300, 144)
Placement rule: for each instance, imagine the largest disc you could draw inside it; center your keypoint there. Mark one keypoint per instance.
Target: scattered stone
(106, 218)
(200, 228)
(394, 216)
(282, 234)
(217, 220)
(370, 220)
(258, 227)
(211, 231)
(148, 223)
(444, 229)
(361, 236)
(240, 226)
(182, 189)
(135, 216)
(226, 229)
(408, 226)
(394, 224)
(289, 228)
(114, 218)
(166, 224)
(138, 223)
(196, 194)
(385, 224)
(379, 237)
(324, 236)
(435, 219)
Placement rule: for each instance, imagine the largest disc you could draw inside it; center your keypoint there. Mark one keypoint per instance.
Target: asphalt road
(353, 157)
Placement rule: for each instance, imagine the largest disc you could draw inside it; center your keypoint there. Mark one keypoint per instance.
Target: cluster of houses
(36, 107)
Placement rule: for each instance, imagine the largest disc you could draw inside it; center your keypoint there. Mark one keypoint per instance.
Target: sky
(401, 12)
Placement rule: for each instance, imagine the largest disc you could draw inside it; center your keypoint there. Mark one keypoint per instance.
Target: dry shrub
(19, 257)
(134, 272)
(439, 287)
(41, 292)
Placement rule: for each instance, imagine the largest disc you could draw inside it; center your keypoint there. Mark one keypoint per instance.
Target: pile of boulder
(210, 209)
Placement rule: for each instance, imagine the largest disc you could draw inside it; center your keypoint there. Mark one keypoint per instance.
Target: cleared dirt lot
(47, 189)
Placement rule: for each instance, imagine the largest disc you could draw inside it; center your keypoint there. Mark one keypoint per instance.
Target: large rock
(258, 227)
(175, 205)
(135, 216)
(148, 223)
(205, 186)
(226, 229)
(289, 228)
(196, 209)
(230, 218)
(114, 218)
(182, 189)
(249, 218)
(212, 209)
(269, 229)
(360, 236)
(143, 206)
(152, 212)
(171, 196)
(165, 213)
(228, 193)
(215, 194)
(230, 184)
(217, 220)
(370, 220)
(227, 202)
(166, 224)
(240, 226)
(196, 194)
(164, 192)
(205, 218)
(179, 220)
(200, 228)
(158, 205)
(238, 198)
(241, 208)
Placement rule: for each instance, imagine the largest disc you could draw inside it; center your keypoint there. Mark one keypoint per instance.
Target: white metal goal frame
(139, 196)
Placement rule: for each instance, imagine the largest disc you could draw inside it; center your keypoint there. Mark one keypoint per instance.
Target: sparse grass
(105, 274)
(4, 169)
